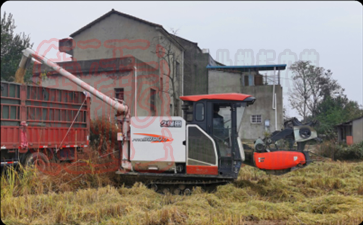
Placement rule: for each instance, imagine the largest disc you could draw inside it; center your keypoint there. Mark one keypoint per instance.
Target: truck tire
(38, 159)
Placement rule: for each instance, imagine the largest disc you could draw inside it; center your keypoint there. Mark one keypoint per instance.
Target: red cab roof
(226, 96)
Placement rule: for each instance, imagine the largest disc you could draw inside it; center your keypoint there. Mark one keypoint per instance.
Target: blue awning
(250, 68)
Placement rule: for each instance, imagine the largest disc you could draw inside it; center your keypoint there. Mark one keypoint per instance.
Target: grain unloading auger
(201, 149)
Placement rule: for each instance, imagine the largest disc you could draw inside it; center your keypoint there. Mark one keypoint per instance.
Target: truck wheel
(37, 159)
(187, 191)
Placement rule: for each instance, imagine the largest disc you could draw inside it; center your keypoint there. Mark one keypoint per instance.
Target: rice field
(322, 193)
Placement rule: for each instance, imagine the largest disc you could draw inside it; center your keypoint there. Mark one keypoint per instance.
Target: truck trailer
(40, 124)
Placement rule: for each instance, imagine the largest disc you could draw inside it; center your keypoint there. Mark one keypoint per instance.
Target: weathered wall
(195, 73)
(106, 82)
(143, 45)
(119, 28)
(358, 130)
(202, 78)
(262, 106)
(217, 80)
(225, 82)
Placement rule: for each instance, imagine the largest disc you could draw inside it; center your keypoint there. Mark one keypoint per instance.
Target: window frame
(152, 102)
(118, 91)
(206, 135)
(257, 121)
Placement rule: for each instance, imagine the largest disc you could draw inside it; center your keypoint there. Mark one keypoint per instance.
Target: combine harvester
(176, 154)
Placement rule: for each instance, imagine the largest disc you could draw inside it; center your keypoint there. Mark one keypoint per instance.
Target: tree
(172, 58)
(329, 86)
(333, 111)
(284, 114)
(11, 48)
(317, 96)
(301, 88)
(311, 86)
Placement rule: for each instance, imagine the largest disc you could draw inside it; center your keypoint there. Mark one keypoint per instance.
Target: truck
(40, 124)
(202, 148)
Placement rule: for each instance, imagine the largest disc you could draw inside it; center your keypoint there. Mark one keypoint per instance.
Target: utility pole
(278, 77)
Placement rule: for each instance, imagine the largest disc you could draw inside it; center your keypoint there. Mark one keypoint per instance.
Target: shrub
(327, 149)
(103, 135)
(341, 152)
(354, 151)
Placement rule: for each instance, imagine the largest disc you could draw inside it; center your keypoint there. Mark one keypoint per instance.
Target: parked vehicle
(41, 124)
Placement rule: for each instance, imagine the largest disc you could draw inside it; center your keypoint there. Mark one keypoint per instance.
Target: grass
(322, 193)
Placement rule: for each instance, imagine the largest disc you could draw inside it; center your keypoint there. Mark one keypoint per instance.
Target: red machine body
(279, 160)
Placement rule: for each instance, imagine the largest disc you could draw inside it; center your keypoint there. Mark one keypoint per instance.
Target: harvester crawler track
(184, 187)
(173, 183)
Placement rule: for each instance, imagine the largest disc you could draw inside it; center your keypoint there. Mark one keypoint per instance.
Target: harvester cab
(212, 136)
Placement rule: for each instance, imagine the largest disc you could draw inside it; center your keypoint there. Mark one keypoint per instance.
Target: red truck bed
(35, 117)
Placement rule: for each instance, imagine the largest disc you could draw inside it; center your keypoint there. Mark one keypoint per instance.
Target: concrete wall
(106, 82)
(225, 82)
(195, 72)
(119, 28)
(145, 39)
(221, 81)
(263, 107)
(358, 130)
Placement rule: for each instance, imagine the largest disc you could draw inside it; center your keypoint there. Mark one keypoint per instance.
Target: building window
(251, 80)
(256, 119)
(177, 68)
(161, 84)
(246, 80)
(119, 93)
(152, 102)
(199, 114)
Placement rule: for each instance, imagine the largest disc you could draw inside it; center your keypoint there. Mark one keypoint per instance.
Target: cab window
(199, 114)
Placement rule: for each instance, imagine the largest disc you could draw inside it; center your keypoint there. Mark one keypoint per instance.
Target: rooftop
(110, 13)
(158, 26)
(249, 68)
(225, 96)
(348, 122)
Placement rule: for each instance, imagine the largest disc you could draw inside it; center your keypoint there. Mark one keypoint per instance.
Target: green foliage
(266, 134)
(333, 111)
(11, 49)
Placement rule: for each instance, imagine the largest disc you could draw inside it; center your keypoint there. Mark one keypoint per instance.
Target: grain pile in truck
(39, 124)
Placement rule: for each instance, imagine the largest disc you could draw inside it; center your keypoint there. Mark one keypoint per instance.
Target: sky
(329, 34)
